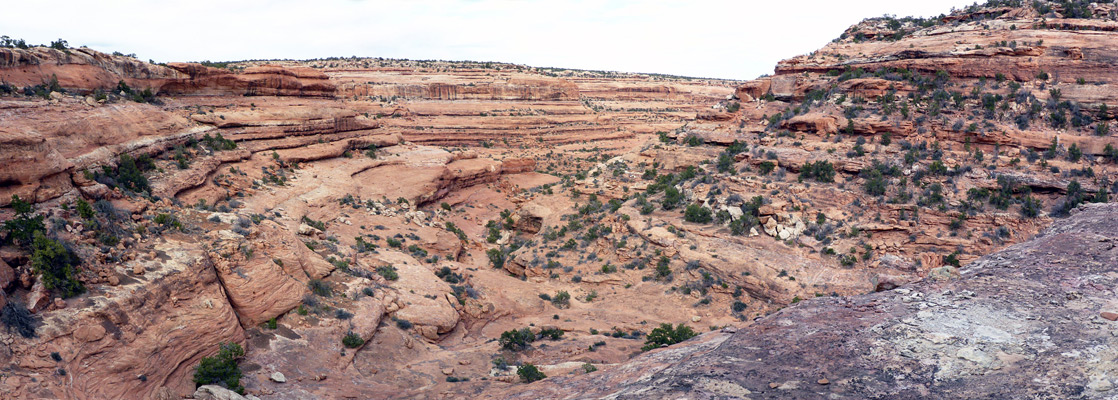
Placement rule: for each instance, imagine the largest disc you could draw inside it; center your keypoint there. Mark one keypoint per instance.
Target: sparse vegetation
(529, 373)
(666, 335)
(222, 369)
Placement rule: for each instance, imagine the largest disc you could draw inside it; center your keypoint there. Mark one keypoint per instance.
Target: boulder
(532, 217)
(214, 392)
(7, 275)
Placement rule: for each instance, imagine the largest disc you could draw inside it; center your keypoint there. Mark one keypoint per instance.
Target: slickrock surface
(1024, 322)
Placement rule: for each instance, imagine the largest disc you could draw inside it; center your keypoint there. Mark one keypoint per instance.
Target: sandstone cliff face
(252, 81)
(510, 86)
(1026, 321)
(81, 69)
(44, 143)
(136, 340)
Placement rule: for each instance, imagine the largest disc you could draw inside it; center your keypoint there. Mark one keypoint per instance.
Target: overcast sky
(725, 39)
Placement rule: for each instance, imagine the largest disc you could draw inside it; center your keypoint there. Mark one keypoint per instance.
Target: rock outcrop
(80, 69)
(1038, 308)
(252, 81)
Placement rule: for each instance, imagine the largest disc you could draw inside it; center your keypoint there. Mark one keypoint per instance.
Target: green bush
(316, 224)
(352, 340)
(516, 339)
(84, 209)
(665, 335)
(56, 265)
(1074, 153)
(1030, 207)
(738, 306)
(875, 182)
(697, 214)
(821, 171)
(662, 268)
(529, 373)
(388, 272)
(766, 167)
(672, 198)
(218, 142)
(23, 227)
(221, 369)
(496, 257)
(551, 333)
(725, 162)
(562, 299)
(1111, 152)
(448, 275)
(130, 175)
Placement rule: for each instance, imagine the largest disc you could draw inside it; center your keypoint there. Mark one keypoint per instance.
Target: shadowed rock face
(1025, 322)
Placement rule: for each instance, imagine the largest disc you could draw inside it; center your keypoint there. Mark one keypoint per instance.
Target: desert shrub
(352, 340)
(21, 229)
(84, 209)
(1110, 152)
(765, 167)
(697, 214)
(516, 339)
(314, 224)
(129, 174)
(1074, 153)
(562, 299)
(665, 335)
(662, 269)
(496, 257)
(551, 333)
(821, 171)
(952, 259)
(738, 306)
(529, 373)
(1030, 207)
(218, 142)
(725, 162)
(16, 317)
(388, 272)
(221, 369)
(403, 323)
(875, 182)
(317, 286)
(672, 198)
(56, 265)
(447, 275)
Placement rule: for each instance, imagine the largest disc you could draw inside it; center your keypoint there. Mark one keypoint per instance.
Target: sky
(740, 39)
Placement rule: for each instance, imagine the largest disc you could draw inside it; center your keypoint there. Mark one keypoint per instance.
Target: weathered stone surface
(1013, 315)
(271, 80)
(214, 392)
